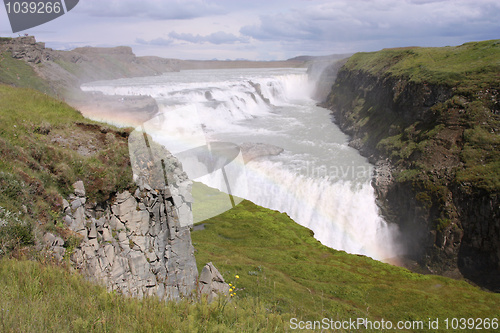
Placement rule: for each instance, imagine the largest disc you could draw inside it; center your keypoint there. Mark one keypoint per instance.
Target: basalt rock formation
(133, 244)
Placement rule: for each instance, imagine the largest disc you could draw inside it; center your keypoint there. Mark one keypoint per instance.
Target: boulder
(79, 189)
(252, 150)
(212, 283)
(54, 245)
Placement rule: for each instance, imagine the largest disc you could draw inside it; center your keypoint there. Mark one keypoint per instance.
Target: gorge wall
(435, 144)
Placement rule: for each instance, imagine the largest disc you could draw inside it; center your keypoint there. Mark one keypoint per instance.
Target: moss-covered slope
(280, 263)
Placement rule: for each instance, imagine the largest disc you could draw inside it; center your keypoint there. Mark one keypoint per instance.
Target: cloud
(357, 20)
(277, 29)
(219, 37)
(154, 9)
(156, 41)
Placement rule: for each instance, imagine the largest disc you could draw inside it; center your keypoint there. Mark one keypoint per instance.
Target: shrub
(14, 232)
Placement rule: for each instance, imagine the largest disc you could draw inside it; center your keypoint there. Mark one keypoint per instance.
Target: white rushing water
(318, 180)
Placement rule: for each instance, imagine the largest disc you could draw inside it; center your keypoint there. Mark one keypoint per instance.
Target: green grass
(37, 298)
(281, 265)
(46, 146)
(283, 273)
(476, 61)
(209, 202)
(18, 73)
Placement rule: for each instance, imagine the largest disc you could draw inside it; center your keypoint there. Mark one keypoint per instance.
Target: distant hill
(307, 58)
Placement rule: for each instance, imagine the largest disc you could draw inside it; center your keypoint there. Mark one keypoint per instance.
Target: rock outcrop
(55, 245)
(133, 244)
(26, 48)
(212, 283)
(252, 150)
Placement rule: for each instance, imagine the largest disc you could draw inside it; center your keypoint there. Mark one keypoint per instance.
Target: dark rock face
(392, 100)
(467, 242)
(479, 253)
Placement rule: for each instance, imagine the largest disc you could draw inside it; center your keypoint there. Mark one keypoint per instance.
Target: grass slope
(284, 267)
(37, 298)
(18, 73)
(474, 62)
(473, 70)
(45, 147)
(283, 273)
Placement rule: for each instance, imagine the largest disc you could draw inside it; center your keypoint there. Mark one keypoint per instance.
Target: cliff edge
(430, 119)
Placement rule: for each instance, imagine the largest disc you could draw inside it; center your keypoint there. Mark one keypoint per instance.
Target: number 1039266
(40, 7)
(471, 323)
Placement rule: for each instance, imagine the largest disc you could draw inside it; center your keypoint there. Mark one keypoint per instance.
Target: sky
(266, 29)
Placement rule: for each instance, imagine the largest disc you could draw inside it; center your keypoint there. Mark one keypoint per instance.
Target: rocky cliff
(133, 244)
(26, 48)
(430, 118)
(137, 243)
(64, 71)
(86, 63)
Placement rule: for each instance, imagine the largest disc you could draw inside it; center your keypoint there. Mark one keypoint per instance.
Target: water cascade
(318, 180)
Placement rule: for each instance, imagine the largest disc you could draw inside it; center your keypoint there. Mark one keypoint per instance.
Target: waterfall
(335, 199)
